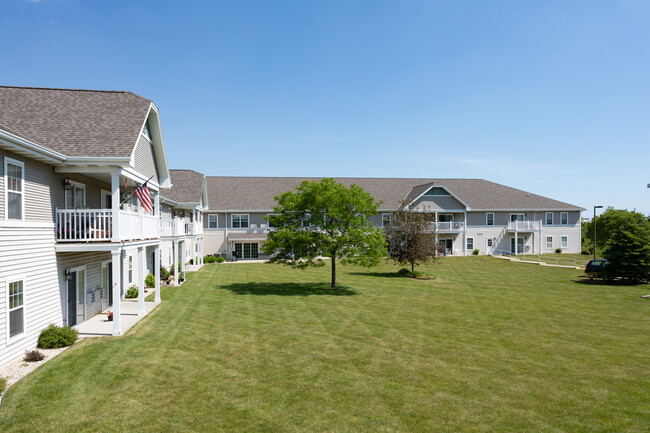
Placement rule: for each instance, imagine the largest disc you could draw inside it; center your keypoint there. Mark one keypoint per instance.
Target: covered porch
(129, 315)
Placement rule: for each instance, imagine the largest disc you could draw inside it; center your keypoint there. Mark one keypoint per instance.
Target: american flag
(144, 197)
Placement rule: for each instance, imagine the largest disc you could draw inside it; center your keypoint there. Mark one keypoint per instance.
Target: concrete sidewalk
(100, 326)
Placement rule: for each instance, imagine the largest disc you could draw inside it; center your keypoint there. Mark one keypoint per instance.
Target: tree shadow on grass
(288, 289)
(378, 274)
(605, 282)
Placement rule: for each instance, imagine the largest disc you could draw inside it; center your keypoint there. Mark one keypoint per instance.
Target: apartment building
(469, 214)
(73, 236)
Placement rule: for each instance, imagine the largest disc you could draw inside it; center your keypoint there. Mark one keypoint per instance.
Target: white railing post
(115, 205)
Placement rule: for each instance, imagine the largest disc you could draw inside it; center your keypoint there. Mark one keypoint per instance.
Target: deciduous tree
(325, 219)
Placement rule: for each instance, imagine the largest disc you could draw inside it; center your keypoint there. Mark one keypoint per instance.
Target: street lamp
(595, 207)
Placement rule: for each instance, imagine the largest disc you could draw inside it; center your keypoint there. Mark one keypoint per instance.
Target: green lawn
(489, 346)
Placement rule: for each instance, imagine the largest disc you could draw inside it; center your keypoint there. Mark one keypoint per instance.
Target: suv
(595, 267)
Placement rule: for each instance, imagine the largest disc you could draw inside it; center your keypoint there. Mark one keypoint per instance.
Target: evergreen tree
(628, 250)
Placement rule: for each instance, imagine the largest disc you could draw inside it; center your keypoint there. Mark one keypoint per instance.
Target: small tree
(606, 224)
(324, 219)
(628, 250)
(411, 237)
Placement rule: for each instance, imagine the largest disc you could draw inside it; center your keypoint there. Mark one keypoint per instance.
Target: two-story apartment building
(73, 237)
(469, 214)
(182, 208)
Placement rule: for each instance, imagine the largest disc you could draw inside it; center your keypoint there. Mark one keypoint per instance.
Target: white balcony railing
(450, 226)
(172, 227)
(524, 226)
(96, 225)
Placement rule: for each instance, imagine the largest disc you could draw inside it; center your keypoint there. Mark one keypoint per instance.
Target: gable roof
(257, 193)
(78, 123)
(187, 187)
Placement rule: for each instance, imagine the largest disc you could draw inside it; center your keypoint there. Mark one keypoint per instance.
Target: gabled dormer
(432, 197)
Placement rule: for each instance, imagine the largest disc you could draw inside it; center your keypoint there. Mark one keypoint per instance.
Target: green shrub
(210, 259)
(150, 281)
(475, 252)
(558, 250)
(33, 356)
(164, 273)
(191, 261)
(404, 272)
(219, 259)
(55, 337)
(132, 292)
(3, 384)
(585, 252)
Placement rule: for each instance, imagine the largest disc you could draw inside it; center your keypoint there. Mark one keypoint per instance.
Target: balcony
(96, 225)
(179, 227)
(448, 227)
(524, 226)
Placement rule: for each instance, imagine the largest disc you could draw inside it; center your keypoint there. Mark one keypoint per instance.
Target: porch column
(115, 206)
(141, 271)
(183, 248)
(156, 272)
(117, 288)
(156, 204)
(175, 262)
(516, 243)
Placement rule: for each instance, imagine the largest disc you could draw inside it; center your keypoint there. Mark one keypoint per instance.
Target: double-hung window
(564, 242)
(213, 221)
(470, 244)
(549, 218)
(564, 218)
(14, 189)
(489, 219)
(269, 219)
(16, 308)
(75, 195)
(549, 242)
(239, 221)
(385, 219)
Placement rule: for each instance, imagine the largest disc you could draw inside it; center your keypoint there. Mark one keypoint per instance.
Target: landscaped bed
(489, 345)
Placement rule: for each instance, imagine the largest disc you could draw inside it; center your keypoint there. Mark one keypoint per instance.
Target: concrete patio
(100, 326)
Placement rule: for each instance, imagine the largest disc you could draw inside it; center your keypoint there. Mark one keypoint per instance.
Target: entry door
(520, 245)
(445, 246)
(489, 245)
(76, 296)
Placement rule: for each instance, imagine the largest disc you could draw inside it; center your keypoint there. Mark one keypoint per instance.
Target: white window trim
(567, 218)
(216, 220)
(22, 184)
(546, 242)
(467, 244)
(129, 269)
(519, 213)
(232, 222)
(546, 218)
(493, 219)
(567, 241)
(382, 219)
(269, 222)
(441, 214)
(104, 193)
(11, 340)
(79, 185)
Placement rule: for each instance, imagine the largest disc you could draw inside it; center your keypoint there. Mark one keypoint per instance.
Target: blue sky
(550, 97)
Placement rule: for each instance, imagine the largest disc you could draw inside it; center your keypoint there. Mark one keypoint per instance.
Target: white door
(489, 245)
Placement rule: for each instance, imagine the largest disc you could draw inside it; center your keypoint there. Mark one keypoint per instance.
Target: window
(549, 218)
(385, 219)
(146, 131)
(445, 218)
(549, 242)
(564, 242)
(213, 221)
(269, 219)
(306, 220)
(247, 250)
(517, 216)
(470, 244)
(16, 308)
(130, 269)
(489, 219)
(14, 189)
(239, 221)
(564, 218)
(75, 195)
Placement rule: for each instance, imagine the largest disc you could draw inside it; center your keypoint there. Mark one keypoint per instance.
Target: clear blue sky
(551, 97)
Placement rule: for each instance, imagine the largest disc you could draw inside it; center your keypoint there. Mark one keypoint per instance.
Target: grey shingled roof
(94, 123)
(187, 186)
(256, 193)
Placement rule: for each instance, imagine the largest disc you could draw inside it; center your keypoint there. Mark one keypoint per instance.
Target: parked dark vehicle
(595, 267)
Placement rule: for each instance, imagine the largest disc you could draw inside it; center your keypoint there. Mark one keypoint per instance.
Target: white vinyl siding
(239, 221)
(213, 221)
(14, 189)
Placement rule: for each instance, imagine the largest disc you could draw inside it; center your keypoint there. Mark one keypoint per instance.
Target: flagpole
(131, 195)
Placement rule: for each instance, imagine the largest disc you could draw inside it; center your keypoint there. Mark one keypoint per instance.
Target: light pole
(595, 207)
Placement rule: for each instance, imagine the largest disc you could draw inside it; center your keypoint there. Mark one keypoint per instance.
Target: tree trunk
(333, 270)
(412, 267)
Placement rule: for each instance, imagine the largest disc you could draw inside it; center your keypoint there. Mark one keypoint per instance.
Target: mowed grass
(489, 346)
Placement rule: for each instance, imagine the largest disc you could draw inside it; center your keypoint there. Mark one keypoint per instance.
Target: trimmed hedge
(55, 337)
